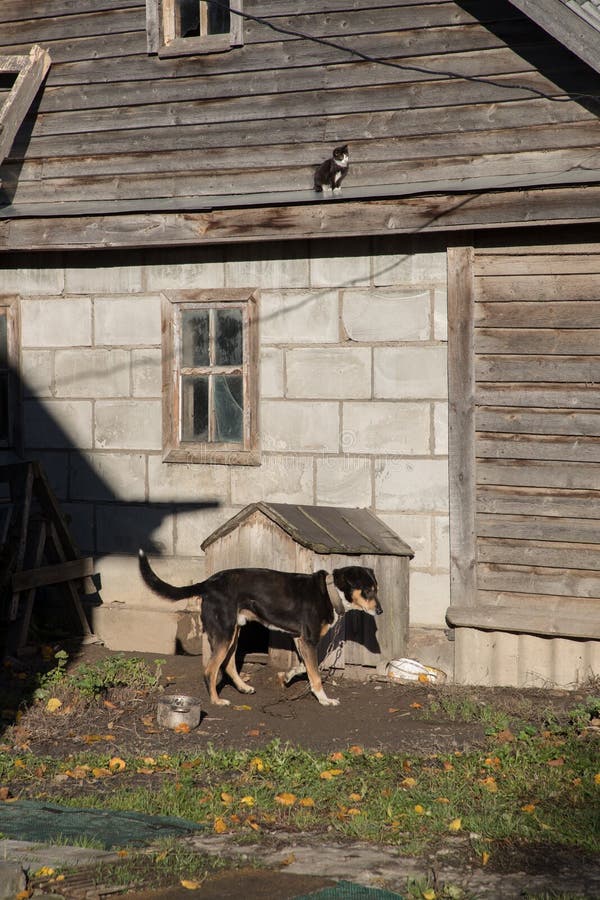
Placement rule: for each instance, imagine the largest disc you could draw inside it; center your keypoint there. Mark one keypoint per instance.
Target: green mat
(27, 820)
(345, 890)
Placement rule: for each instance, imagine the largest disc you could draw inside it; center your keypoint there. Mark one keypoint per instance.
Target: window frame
(9, 307)
(163, 40)
(174, 303)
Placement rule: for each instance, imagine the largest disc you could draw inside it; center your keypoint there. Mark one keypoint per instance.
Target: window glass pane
(218, 18)
(194, 408)
(229, 408)
(189, 18)
(229, 344)
(195, 337)
(3, 340)
(4, 408)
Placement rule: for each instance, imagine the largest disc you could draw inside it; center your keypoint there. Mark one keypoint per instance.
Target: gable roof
(324, 529)
(575, 23)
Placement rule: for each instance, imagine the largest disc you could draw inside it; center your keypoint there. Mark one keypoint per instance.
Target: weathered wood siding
(115, 125)
(528, 481)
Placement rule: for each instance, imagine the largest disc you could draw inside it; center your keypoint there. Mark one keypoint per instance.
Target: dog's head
(359, 588)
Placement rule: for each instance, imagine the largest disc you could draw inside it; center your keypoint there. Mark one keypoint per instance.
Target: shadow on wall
(96, 515)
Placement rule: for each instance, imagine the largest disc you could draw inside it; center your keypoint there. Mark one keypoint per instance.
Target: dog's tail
(156, 584)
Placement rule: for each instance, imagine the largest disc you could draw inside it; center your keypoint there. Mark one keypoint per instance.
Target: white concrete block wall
(353, 394)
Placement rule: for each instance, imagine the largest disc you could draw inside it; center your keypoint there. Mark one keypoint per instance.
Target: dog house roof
(324, 529)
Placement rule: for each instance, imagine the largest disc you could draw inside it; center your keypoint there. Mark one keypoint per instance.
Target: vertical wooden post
(461, 426)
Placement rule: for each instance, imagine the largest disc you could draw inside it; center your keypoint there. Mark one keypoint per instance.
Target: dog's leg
(231, 667)
(211, 672)
(309, 655)
(300, 669)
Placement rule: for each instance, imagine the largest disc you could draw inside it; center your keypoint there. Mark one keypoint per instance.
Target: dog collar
(334, 595)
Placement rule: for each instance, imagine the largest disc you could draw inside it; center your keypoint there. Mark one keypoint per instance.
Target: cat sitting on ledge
(329, 175)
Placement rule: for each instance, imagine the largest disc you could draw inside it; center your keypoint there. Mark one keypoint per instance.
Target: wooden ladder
(37, 549)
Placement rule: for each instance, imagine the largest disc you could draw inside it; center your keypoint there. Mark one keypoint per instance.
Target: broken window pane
(194, 408)
(229, 408)
(229, 345)
(195, 338)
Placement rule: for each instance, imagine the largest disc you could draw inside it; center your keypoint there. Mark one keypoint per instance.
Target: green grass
(534, 787)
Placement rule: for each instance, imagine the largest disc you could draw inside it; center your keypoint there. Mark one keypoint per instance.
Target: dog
(303, 606)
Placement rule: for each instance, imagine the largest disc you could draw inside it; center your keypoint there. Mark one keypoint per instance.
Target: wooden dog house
(295, 538)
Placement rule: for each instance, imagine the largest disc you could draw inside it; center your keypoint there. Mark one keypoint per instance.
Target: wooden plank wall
(537, 428)
(115, 124)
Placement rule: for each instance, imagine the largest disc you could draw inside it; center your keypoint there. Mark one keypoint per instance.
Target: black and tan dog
(304, 606)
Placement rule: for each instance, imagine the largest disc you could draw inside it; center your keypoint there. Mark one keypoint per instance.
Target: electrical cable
(423, 70)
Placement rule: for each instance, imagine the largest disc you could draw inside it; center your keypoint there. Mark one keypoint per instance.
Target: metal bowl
(177, 709)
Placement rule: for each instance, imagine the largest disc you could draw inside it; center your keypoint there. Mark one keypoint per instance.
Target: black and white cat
(329, 175)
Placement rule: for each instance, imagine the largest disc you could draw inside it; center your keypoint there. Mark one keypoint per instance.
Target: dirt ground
(376, 715)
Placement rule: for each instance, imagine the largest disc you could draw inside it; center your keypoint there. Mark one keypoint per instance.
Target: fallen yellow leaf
(220, 825)
(307, 802)
(416, 706)
(44, 872)
(420, 810)
(257, 764)
(485, 858)
(286, 799)
(429, 894)
(408, 782)
(455, 825)
(597, 778)
(442, 800)
(331, 773)
(182, 728)
(336, 757)
(116, 764)
(226, 798)
(356, 750)
(53, 704)
(489, 784)
(528, 808)
(354, 796)
(190, 885)
(247, 801)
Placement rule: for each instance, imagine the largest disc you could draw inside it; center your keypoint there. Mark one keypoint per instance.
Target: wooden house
(297, 538)
(183, 319)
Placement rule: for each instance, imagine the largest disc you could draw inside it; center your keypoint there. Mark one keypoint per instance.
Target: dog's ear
(341, 580)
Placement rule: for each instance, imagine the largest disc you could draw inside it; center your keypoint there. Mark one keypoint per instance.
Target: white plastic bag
(405, 670)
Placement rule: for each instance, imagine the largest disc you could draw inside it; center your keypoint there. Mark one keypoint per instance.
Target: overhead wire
(563, 97)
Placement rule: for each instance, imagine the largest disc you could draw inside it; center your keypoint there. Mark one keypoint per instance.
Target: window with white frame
(9, 430)
(182, 27)
(210, 377)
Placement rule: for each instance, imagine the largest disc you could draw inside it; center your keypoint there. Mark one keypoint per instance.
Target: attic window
(186, 27)
(210, 349)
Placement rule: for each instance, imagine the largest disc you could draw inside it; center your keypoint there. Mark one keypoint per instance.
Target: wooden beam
(585, 626)
(461, 430)
(566, 25)
(55, 574)
(428, 213)
(21, 95)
